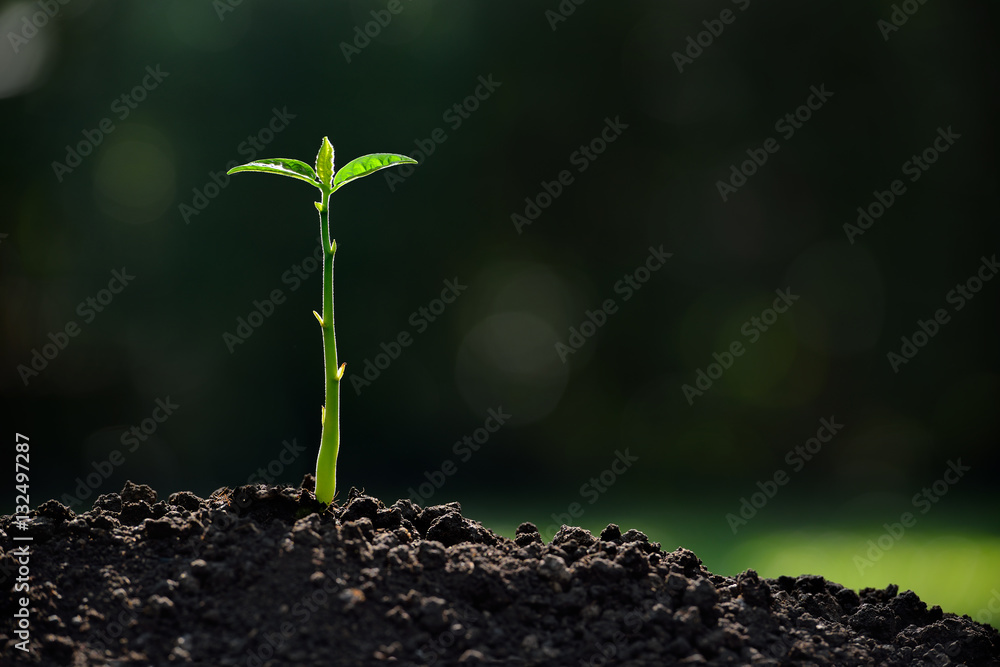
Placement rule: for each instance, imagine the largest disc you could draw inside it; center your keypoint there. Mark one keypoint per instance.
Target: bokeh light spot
(134, 180)
(509, 359)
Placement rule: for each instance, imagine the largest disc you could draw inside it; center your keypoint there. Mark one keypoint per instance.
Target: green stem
(326, 462)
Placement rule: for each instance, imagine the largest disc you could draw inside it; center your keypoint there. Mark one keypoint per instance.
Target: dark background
(656, 184)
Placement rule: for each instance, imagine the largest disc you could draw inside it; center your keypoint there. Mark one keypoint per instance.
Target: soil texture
(264, 576)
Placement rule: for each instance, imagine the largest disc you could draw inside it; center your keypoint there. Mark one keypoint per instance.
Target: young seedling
(327, 181)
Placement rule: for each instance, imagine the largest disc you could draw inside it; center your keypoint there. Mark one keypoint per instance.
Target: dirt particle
(554, 569)
(103, 522)
(527, 534)
(388, 519)
(158, 605)
(431, 614)
(612, 534)
(389, 651)
(450, 529)
(753, 591)
(55, 511)
(199, 568)
(59, 647)
(358, 530)
(134, 513)
(632, 559)
(428, 515)
(431, 555)
(185, 500)
(188, 583)
(361, 507)
(351, 598)
(134, 493)
(874, 621)
(701, 595)
(472, 656)
(161, 528)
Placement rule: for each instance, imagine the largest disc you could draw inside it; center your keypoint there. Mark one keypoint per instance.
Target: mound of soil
(261, 575)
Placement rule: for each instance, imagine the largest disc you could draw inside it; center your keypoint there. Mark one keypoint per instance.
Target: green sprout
(328, 182)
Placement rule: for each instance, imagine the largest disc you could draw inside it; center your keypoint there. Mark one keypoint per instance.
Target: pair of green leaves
(324, 176)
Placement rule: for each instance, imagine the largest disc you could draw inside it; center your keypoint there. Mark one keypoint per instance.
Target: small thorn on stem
(322, 419)
(340, 371)
(320, 319)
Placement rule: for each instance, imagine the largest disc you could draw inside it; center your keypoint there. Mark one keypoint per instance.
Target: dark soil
(261, 576)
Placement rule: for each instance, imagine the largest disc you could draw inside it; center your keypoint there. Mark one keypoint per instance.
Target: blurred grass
(947, 561)
(957, 571)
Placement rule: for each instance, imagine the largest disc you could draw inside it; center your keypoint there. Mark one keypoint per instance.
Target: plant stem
(326, 462)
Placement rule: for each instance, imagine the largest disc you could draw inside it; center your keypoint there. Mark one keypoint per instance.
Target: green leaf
(368, 164)
(282, 167)
(324, 163)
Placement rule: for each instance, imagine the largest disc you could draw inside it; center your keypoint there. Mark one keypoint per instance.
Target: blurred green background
(120, 119)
